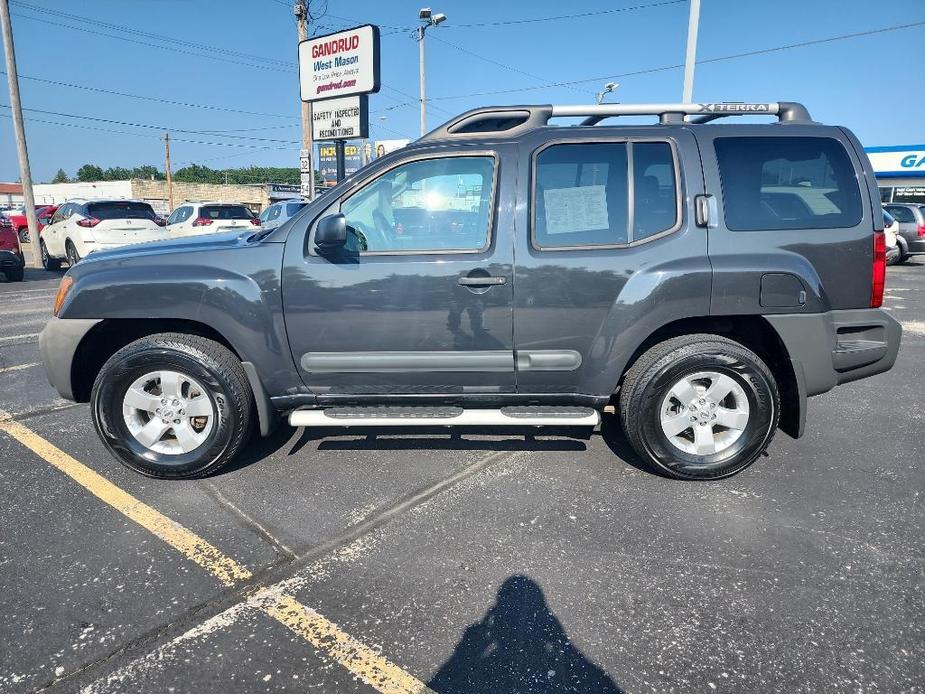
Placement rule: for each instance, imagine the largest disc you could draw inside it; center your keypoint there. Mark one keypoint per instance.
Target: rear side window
(902, 214)
(225, 212)
(120, 209)
(778, 183)
(582, 196)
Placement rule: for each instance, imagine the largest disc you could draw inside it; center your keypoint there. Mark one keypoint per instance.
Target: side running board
(534, 415)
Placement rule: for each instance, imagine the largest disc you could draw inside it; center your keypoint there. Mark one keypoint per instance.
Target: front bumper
(58, 343)
(11, 260)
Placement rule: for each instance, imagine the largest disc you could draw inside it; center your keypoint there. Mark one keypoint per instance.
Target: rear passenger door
(795, 229)
(606, 252)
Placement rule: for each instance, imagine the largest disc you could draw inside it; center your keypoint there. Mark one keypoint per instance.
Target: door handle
(481, 281)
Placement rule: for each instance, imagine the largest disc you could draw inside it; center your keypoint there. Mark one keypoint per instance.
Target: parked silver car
(911, 232)
(279, 212)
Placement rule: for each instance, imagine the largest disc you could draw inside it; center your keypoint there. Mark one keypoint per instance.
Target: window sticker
(576, 209)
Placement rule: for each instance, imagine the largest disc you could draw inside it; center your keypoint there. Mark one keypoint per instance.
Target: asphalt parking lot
(468, 562)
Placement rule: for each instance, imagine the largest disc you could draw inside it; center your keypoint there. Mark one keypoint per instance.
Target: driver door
(419, 299)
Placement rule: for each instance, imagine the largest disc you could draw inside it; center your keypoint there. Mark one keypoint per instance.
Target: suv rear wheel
(48, 262)
(73, 257)
(173, 405)
(699, 407)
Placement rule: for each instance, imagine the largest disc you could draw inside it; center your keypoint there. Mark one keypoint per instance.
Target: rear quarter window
(779, 183)
(902, 214)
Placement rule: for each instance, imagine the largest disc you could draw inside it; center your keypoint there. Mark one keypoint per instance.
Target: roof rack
(514, 120)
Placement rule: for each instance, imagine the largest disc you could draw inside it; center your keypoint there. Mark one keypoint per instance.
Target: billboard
(327, 162)
(383, 147)
(901, 160)
(339, 64)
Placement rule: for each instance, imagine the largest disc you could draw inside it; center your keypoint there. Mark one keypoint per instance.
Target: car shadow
(35, 275)
(519, 646)
(613, 435)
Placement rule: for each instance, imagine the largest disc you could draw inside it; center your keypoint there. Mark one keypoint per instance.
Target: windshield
(225, 212)
(120, 209)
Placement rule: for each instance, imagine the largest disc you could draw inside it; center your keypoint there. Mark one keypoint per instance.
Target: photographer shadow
(519, 647)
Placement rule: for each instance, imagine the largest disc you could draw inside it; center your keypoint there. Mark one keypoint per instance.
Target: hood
(184, 244)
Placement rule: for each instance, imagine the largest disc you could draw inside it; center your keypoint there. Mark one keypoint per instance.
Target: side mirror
(331, 233)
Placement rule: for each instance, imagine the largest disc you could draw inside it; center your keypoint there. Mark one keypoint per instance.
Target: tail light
(88, 223)
(255, 221)
(878, 275)
(160, 221)
(920, 232)
(202, 221)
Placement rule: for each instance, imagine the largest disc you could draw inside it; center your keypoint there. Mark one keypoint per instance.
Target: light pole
(693, 25)
(428, 19)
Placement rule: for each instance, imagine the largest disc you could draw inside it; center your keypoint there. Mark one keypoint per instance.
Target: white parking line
(19, 367)
(25, 338)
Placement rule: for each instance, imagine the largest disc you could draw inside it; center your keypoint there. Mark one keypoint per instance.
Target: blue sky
(240, 55)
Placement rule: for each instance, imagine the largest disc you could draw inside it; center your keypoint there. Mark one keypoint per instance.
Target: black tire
(207, 361)
(23, 234)
(652, 376)
(48, 262)
(73, 257)
(903, 255)
(16, 275)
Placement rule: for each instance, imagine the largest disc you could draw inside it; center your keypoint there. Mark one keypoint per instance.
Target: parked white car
(81, 227)
(194, 218)
(890, 229)
(280, 212)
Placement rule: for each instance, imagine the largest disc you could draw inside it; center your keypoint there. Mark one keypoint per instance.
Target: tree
(61, 177)
(89, 173)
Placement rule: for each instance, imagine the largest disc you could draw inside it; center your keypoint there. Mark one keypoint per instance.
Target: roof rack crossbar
(513, 120)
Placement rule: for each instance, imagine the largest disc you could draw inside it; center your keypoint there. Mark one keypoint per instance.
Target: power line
(579, 15)
(149, 126)
(137, 32)
(647, 71)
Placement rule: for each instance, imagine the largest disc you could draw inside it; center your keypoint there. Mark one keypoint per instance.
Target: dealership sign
(341, 119)
(340, 64)
(903, 160)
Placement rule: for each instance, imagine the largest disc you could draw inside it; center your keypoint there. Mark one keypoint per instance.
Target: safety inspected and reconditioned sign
(341, 119)
(340, 64)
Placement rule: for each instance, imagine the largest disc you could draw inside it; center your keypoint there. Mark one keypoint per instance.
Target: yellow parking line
(328, 638)
(19, 367)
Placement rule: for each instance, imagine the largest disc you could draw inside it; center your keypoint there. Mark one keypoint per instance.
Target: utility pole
(167, 167)
(428, 19)
(690, 59)
(423, 80)
(25, 174)
(301, 15)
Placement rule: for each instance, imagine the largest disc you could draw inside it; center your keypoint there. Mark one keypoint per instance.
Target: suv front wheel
(699, 407)
(173, 405)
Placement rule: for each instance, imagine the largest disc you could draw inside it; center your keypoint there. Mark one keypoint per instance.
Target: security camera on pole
(428, 19)
(336, 72)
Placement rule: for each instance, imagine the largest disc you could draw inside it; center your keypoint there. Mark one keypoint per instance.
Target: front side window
(428, 205)
(778, 183)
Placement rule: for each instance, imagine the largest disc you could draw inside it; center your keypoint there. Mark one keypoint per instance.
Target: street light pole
(422, 79)
(690, 59)
(25, 174)
(428, 19)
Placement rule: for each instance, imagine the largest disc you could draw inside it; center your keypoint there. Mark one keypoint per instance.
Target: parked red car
(12, 263)
(21, 224)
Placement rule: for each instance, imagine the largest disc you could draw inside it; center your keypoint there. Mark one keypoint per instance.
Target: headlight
(63, 289)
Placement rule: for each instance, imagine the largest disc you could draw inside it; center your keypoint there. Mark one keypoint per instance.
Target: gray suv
(703, 279)
(910, 236)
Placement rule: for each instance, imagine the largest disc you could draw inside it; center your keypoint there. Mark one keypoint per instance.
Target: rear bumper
(10, 260)
(57, 343)
(838, 346)
(916, 245)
